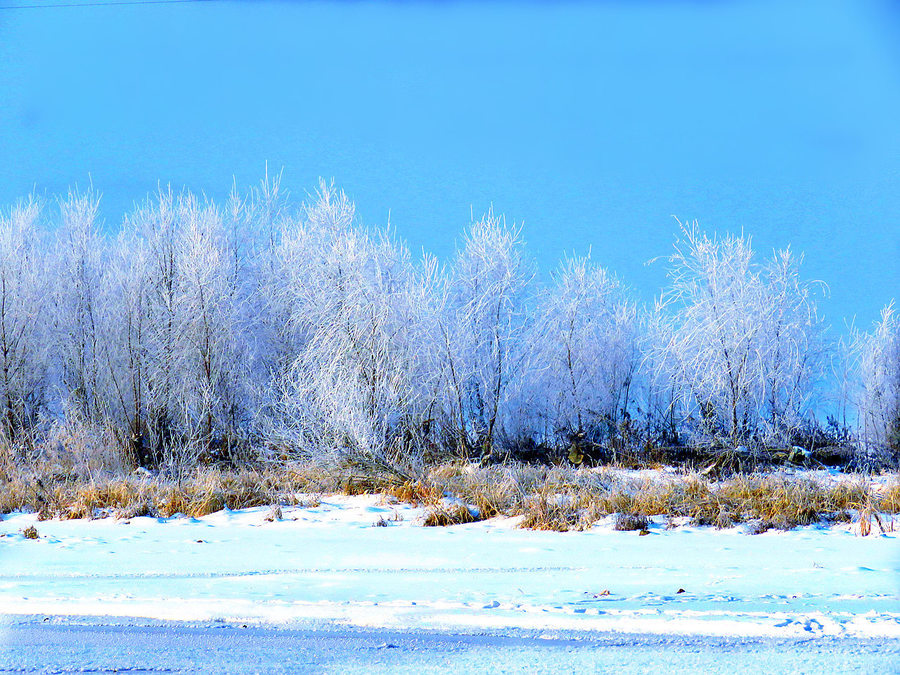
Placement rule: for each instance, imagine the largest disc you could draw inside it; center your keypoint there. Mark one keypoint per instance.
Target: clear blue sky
(591, 123)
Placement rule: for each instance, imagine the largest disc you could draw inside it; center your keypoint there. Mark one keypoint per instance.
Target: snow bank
(331, 562)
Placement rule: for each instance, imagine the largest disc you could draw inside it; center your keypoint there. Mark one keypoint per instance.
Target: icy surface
(331, 562)
(75, 644)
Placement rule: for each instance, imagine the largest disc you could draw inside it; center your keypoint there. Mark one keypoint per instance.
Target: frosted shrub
(584, 355)
(792, 352)
(126, 347)
(661, 407)
(212, 383)
(23, 321)
(355, 299)
(173, 347)
(879, 369)
(199, 332)
(79, 310)
(743, 340)
(485, 316)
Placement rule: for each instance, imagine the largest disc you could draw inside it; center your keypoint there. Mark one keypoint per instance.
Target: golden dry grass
(545, 498)
(415, 492)
(206, 490)
(443, 515)
(562, 498)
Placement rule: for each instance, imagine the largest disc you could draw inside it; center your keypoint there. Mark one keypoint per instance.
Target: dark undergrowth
(545, 497)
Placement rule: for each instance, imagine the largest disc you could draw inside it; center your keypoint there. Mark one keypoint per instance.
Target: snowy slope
(331, 562)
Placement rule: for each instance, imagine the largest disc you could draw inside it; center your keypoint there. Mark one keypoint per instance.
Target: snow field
(332, 561)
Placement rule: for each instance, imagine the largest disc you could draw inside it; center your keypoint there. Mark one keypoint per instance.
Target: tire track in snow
(299, 570)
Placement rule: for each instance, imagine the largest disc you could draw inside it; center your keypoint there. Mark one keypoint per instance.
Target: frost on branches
(264, 328)
(742, 341)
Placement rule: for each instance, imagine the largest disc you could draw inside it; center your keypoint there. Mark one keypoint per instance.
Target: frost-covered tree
(717, 296)
(211, 382)
(355, 297)
(484, 323)
(178, 285)
(201, 328)
(744, 340)
(157, 224)
(584, 355)
(127, 347)
(259, 222)
(661, 407)
(879, 365)
(251, 229)
(23, 320)
(792, 352)
(80, 310)
(289, 269)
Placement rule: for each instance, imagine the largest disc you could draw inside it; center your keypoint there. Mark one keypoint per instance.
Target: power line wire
(103, 4)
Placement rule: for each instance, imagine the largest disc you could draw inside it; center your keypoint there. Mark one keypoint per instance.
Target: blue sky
(592, 124)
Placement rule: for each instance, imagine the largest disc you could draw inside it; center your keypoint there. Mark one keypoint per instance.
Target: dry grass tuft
(557, 515)
(443, 515)
(626, 522)
(555, 498)
(564, 498)
(889, 498)
(416, 493)
(30, 532)
(52, 492)
(867, 516)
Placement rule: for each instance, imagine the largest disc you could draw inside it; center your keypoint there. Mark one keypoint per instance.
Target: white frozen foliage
(483, 321)
(742, 340)
(201, 331)
(585, 355)
(23, 308)
(879, 362)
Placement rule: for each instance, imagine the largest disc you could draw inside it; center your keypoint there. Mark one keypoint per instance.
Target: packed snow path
(86, 645)
(332, 563)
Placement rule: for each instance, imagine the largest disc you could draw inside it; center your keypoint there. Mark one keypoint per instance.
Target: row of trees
(259, 326)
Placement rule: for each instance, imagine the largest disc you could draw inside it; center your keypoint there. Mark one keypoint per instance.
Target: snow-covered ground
(332, 561)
